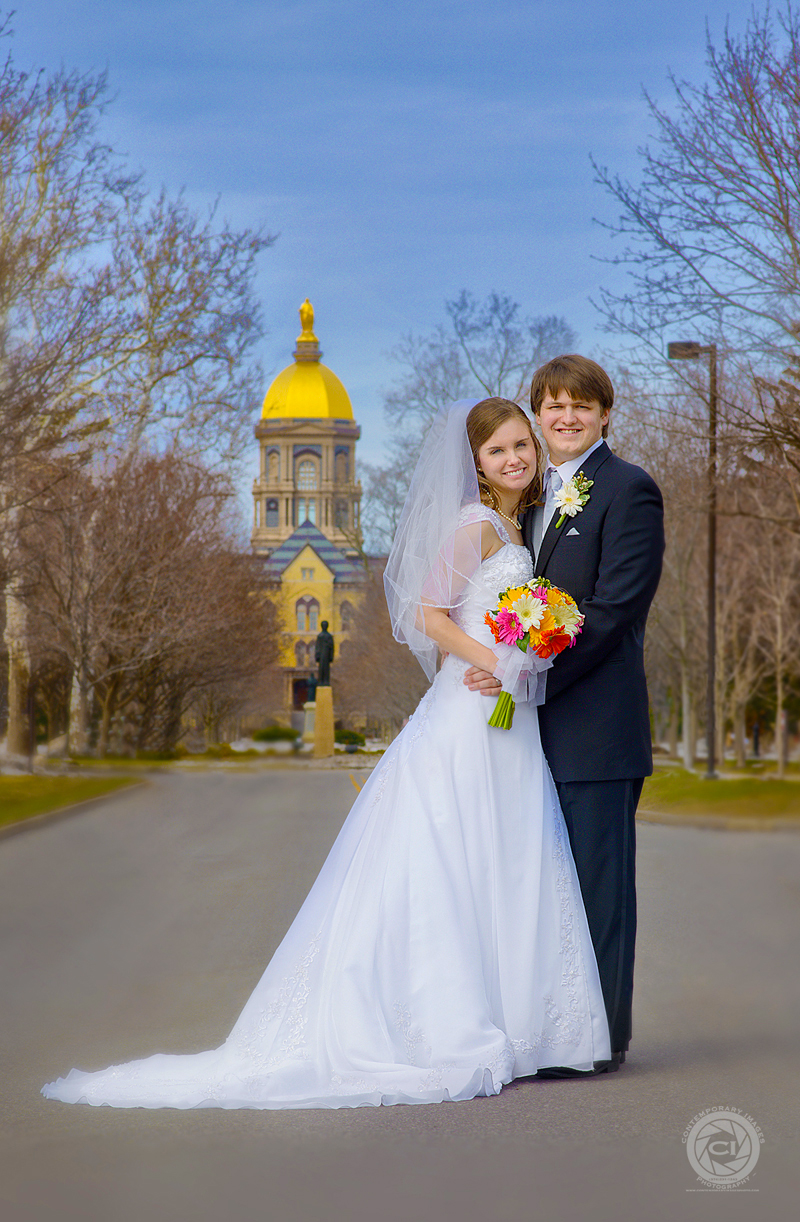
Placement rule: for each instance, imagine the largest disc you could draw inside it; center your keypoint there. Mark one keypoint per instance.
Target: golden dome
(307, 388)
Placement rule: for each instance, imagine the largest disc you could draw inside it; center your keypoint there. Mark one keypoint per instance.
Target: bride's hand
(482, 681)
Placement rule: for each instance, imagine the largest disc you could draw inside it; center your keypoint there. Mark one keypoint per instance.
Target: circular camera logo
(723, 1146)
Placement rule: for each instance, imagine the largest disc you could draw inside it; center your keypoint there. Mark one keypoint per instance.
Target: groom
(595, 722)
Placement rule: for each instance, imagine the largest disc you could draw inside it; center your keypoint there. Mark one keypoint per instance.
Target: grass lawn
(681, 792)
(21, 797)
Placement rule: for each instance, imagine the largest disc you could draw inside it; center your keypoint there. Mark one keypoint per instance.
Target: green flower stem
(561, 521)
(503, 714)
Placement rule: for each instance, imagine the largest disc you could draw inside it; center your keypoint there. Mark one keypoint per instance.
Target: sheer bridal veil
(432, 562)
(436, 555)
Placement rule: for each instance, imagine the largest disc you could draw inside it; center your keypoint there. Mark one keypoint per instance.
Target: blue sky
(402, 152)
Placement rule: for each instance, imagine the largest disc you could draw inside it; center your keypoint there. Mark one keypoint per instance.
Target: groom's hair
(579, 376)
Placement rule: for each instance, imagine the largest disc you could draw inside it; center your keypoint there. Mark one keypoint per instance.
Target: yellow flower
(516, 592)
(548, 622)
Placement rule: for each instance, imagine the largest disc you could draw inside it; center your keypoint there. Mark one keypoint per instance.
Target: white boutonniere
(572, 496)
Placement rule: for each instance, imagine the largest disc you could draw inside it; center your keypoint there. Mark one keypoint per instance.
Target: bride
(443, 950)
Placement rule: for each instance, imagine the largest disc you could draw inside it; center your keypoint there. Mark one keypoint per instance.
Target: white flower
(529, 611)
(568, 499)
(568, 617)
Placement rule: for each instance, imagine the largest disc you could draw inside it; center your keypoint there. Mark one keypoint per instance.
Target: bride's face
(508, 459)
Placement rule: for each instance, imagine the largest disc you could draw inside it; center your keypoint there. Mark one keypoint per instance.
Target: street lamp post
(690, 351)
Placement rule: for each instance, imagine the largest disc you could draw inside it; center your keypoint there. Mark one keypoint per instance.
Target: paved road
(142, 924)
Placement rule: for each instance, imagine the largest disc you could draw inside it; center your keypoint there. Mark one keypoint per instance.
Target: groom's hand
(478, 680)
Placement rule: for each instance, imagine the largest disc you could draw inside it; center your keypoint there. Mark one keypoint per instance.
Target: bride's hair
(485, 419)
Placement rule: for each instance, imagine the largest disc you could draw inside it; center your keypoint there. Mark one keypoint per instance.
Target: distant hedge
(350, 737)
(274, 734)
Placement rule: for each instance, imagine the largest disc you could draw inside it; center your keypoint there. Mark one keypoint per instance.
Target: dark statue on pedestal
(323, 654)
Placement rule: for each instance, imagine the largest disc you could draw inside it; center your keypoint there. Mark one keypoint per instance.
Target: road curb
(721, 823)
(64, 812)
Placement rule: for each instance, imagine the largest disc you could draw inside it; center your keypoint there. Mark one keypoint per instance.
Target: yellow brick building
(306, 516)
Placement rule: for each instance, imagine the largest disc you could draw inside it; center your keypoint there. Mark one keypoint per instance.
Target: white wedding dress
(442, 951)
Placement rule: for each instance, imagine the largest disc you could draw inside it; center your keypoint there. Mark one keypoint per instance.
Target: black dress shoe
(566, 1071)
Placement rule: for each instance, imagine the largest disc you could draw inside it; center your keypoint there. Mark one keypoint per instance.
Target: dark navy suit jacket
(595, 721)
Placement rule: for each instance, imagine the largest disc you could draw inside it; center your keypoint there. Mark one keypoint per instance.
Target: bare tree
(743, 623)
(780, 561)
(675, 657)
(118, 316)
(712, 229)
(136, 579)
(182, 360)
(377, 681)
(757, 575)
(711, 234)
(487, 349)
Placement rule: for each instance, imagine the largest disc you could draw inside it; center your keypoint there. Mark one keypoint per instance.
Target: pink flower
(540, 592)
(509, 629)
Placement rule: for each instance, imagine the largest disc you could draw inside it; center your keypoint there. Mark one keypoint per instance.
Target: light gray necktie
(555, 485)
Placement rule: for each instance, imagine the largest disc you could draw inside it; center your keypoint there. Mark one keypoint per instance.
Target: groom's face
(570, 426)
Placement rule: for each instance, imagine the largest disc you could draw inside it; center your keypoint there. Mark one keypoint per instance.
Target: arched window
(271, 517)
(300, 654)
(341, 468)
(273, 467)
(307, 612)
(346, 614)
(306, 475)
(341, 515)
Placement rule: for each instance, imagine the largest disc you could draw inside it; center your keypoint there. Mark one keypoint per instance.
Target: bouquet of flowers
(537, 616)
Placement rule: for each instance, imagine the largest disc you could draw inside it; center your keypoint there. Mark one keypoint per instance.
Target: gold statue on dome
(307, 322)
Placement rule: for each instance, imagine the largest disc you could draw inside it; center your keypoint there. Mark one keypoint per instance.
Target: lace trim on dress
(570, 1025)
(288, 1005)
(413, 1038)
(478, 512)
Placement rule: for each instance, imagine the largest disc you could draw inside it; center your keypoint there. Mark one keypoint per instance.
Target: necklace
(514, 521)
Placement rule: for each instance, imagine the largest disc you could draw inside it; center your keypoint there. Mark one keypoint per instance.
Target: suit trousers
(600, 818)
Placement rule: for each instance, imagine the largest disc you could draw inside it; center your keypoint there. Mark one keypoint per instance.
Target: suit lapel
(552, 535)
(528, 524)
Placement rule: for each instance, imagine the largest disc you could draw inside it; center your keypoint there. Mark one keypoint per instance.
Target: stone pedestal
(323, 724)
(309, 709)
